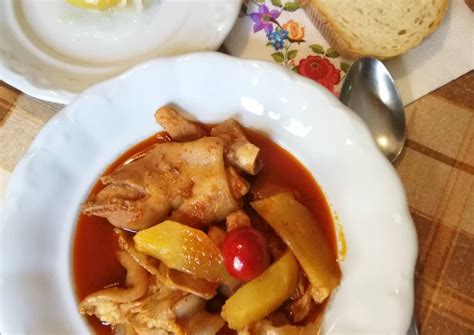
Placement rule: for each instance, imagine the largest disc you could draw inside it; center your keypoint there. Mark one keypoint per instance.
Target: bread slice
(378, 28)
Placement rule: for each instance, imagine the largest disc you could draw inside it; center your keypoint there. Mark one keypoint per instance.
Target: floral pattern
(287, 39)
(321, 70)
(295, 31)
(264, 18)
(277, 38)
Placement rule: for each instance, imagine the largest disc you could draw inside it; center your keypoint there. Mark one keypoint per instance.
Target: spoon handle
(413, 330)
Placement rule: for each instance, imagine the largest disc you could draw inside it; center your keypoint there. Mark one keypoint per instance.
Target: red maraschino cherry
(246, 253)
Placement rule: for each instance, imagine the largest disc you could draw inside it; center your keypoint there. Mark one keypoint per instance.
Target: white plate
(188, 26)
(64, 161)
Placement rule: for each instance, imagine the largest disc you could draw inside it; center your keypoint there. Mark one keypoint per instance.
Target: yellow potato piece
(94, 4)
(185, 249)
(296, 226)
(261, 296)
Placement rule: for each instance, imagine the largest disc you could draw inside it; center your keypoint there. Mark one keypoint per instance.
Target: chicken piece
(203, 323)
(188, 306)
(150, 264)
(239, 151)
(278, 318)
(302, 302)
(301, 308)
(275, 245)
(156, 312)
(124, 329)
(151, 314)
(104, 303)
(191, 314)
(217, 235)
(179, 128)
(187, 178)
(265, 327)
(237, 219)
(238, 185)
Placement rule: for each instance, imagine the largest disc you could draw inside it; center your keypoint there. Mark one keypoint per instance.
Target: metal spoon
(370, 91)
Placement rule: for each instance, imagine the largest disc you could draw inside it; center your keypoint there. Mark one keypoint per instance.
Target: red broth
(95, 265)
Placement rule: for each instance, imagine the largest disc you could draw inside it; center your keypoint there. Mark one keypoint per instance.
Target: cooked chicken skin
(188, 179)
(238, 185)
(236, 220)
(239, 151)
(301, 302)
(179, 128)
(105, 303)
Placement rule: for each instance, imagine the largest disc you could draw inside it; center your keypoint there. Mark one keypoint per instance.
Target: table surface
(436, 167)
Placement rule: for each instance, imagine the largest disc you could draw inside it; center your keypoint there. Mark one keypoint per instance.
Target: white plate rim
(26, 83)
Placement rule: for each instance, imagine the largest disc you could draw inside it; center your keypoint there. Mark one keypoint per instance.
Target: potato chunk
(261, 296)
(297, 228)
(185, 249)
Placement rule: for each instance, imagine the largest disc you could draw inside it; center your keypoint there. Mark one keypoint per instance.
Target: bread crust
(338, 40)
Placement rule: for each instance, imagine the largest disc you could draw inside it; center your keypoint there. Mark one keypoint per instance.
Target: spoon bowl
(370, 91)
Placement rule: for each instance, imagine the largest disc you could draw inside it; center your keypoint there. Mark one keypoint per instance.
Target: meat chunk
(217, 235)
(239, 151)
(188, 283)
(191, 314)
(144, 307)
(203, 323)
(237, 219)
(156, 312)
(165, 312)
(188, 179)
(179, 128)
(124, 329)
(150, 264)
(301, 301)
(238, 185)
(265, 327)
(104, 303)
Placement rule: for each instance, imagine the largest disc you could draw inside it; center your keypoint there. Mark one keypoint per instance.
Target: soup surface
(95, 265)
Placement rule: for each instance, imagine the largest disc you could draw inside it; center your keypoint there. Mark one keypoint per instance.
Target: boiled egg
(105, 4)
(94, 4)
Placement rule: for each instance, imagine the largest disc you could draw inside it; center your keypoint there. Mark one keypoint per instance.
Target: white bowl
(64, 161)
(29, 65)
